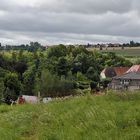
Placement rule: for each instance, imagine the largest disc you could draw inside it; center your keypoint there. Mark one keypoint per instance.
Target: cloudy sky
(69, 21)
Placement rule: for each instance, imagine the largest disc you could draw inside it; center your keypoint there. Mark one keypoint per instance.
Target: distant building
(113, 71)
(128, 81)
(116, 45)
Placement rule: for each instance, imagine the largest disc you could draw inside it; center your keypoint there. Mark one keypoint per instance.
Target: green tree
(53, 86)
(132, 43)
(34, 46)
(57, 51)
(62, 66)
(12, 83)
(20, 67)
(29, 81)
(93, 75)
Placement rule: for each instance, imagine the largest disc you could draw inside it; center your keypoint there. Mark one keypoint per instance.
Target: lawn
(107, 117)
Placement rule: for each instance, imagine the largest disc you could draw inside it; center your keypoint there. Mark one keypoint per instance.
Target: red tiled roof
(135, 68)
(114, 71)
(121, 70)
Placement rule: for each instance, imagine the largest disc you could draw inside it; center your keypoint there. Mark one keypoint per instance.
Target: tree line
(58, 71)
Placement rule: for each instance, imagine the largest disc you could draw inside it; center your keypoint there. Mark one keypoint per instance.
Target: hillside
(109, 117)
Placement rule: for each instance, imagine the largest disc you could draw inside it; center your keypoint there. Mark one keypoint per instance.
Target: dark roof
(129, 76)
(110, 72)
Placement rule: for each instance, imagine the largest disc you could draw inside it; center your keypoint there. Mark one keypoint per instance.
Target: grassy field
(127, 52)
(108, 117)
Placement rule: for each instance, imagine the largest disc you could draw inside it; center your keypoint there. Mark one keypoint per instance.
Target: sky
(69, 21)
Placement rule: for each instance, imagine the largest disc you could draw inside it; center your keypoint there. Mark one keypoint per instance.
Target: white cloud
(55, 21)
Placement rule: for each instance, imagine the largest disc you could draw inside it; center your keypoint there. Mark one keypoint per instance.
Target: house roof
(109, 72)
(135, 68)
(121, 70)
(114, 71)
(129, 76)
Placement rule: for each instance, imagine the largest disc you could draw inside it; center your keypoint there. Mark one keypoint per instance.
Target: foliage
(33, 46)
(81, 77)
(29, 81)
(93, 75)
(62, 67)
(52, 86)
(12, 83)
(57, 52)
(66, 66)
(20, 67)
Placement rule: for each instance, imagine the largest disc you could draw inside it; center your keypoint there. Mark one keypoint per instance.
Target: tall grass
(109, 117)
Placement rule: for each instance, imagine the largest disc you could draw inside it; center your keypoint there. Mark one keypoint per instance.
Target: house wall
(133, 85)
(115, 84)
(133, 88)
(102, 75)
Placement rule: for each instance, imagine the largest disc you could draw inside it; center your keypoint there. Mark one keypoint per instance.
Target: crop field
(127, 52)
(108, 117)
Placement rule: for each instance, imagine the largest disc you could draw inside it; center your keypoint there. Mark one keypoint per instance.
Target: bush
(83, 85)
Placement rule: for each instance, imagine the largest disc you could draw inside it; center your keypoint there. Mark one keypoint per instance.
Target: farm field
(127, 52)
(108, 117)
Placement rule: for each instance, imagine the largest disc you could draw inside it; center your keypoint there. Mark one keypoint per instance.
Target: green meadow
(127, 52)
(90, 117)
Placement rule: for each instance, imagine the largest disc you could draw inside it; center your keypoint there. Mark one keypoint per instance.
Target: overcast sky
(69, 21)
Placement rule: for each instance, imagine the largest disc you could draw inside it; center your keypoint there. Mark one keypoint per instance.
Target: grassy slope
(83, 118)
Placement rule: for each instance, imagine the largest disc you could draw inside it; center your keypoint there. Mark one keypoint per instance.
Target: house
(113, 71)
(123, 78)
(128, 81)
